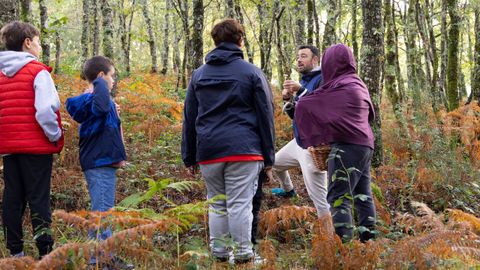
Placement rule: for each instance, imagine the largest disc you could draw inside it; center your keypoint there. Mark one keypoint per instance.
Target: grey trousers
(231, 217)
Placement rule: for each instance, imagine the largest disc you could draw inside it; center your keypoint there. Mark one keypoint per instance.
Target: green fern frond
(155, 187)
(188, 214)
(131, 201)
(184, 186)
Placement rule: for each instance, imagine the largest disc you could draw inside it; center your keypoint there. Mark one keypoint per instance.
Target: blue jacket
(228, 110)
(101, 141)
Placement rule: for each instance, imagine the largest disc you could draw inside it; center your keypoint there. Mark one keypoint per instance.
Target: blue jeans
(101, 187)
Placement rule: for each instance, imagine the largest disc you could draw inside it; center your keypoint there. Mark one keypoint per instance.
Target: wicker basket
(319, 155)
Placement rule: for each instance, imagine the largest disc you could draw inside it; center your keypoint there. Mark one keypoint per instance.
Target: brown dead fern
(268, 252)
(325, 244)
(285, 217)
(16, 263)
(357, 255)
(460, 216)
(59, 257)
(425, 220)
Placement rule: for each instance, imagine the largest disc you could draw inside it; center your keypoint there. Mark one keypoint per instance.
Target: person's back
(28, 124)
(338, 114)
(226, 89)
(30, 133)
(228, 130)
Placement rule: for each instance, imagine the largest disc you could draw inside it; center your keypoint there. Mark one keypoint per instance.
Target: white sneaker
(256, 259)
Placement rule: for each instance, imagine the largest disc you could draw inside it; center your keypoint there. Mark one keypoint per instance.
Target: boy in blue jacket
(101, 144)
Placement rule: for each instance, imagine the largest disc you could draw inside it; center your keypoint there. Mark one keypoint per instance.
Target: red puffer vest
(20, 132)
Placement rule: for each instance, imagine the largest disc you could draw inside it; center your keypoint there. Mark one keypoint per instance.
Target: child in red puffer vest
(30, 133)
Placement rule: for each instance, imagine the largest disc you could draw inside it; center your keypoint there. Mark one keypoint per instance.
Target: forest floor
(427, 196)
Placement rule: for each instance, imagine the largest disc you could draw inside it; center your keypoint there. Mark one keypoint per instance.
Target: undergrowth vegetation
(427, 196)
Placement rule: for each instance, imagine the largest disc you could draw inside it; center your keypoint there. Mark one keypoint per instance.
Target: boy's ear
(27, 43)
(101, 74)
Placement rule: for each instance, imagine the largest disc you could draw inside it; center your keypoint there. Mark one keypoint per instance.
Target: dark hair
(95, 65)
(14, 34)
(313, 49)
(228, 30)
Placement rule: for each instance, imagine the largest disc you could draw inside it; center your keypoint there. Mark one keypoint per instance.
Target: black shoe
(244, 260)
(220, 259)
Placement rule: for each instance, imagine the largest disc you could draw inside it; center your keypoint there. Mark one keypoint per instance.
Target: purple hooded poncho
(340, 110)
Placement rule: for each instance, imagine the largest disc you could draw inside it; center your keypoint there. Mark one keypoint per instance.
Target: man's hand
(291, 86)
(286, 94)
(269, 174)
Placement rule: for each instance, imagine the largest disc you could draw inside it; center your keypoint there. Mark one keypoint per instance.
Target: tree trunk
(317, 25)
(85, 29)
(238, 12)
(126, 33)
(165, 37)
(107, 29)
(391, 58)
(329, 36)
(283, 66)
(310, 23)
(263, 38)
(129, 34)
(265, 34)
(391, 70)
(186, 46)
(438, 89)
(300, 22)
(197, 36)
(122, 22)
(151, 36)
(371, 66)
(354, 28)
(462, 84)
(464, 21)
(96, 28)
(452, 62)
(44, 32)
(8, 11)
(182, 11)
(444, 53)
(176, 53)
(177, 63)
(58, 52)
(230, 9)
(400, 82)
(471, 48)
(26, 10)
(411, 31)
(476, 73)
(424, 24)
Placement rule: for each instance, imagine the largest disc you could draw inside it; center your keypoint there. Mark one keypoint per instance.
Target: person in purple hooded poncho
(338, 113)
